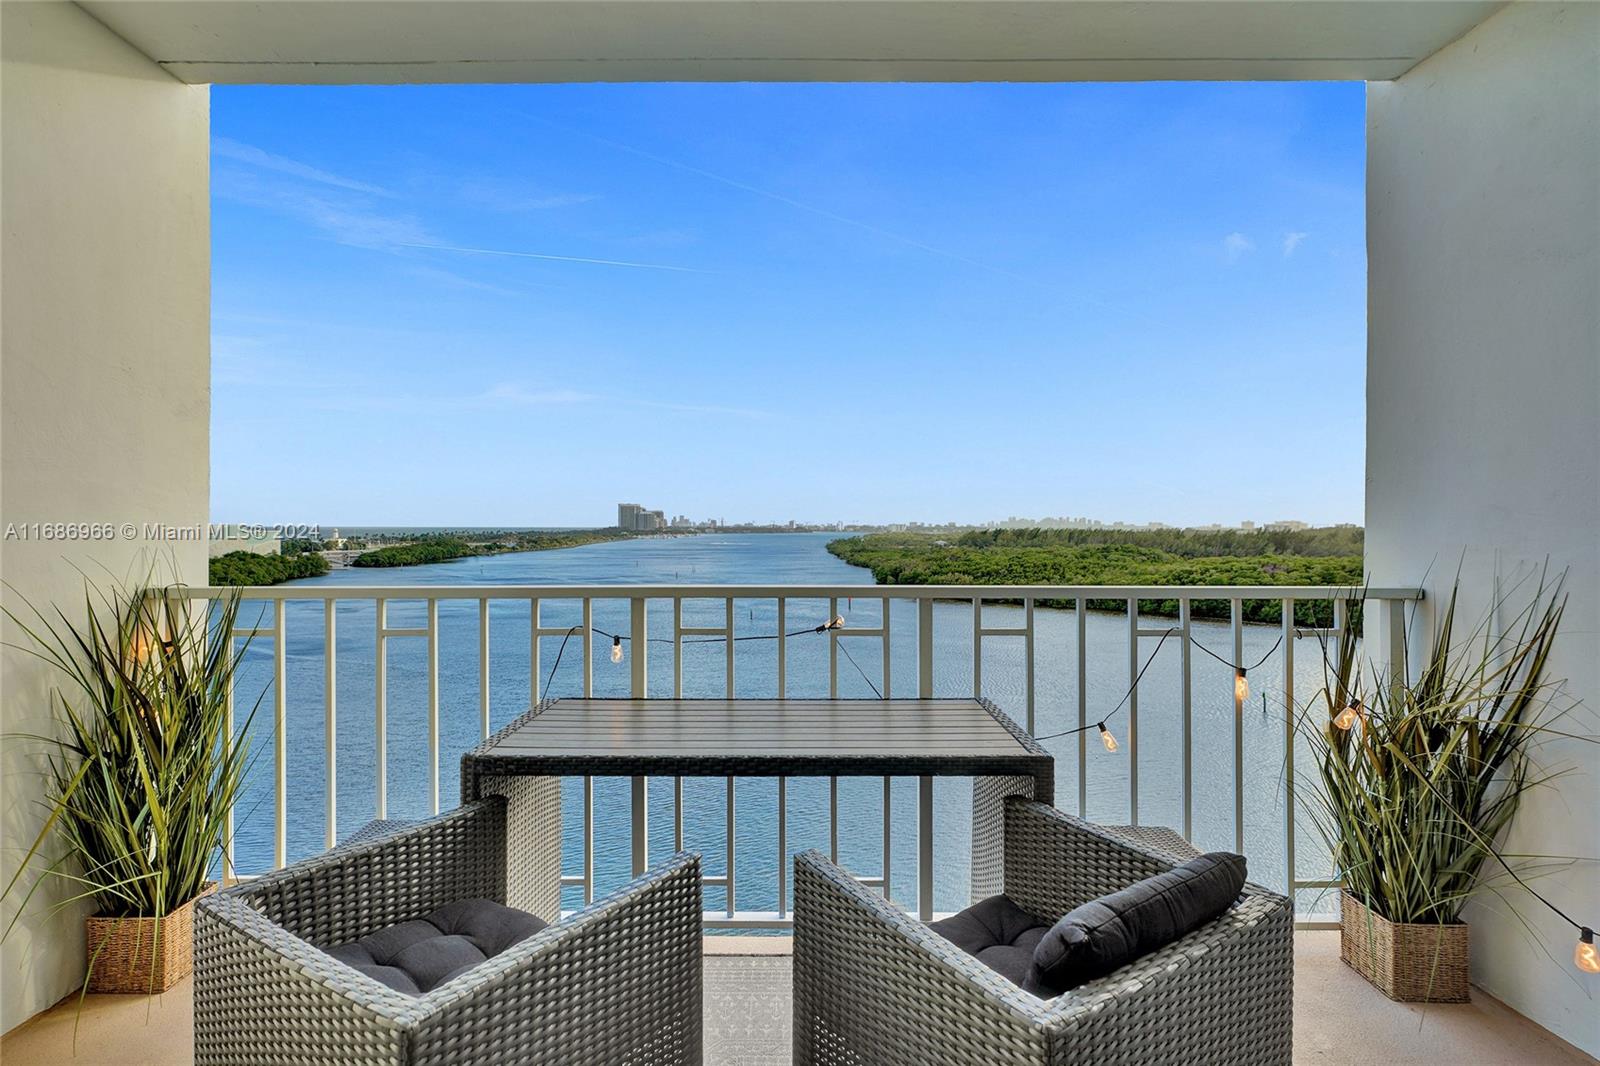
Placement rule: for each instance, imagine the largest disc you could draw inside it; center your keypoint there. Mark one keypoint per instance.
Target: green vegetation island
(1326, 556)
(443, 547)
(252, 568)
(305, 558)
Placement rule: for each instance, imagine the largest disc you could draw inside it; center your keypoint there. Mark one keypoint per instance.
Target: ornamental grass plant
(143, 766)
(1420, 778)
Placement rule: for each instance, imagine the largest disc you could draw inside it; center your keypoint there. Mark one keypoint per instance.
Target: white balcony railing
(931, 640)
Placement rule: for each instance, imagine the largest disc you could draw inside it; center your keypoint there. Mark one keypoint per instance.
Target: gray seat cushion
(997, 933)
(419, 956)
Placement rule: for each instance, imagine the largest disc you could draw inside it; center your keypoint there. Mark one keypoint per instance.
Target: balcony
(371, 695)
(1480, 373)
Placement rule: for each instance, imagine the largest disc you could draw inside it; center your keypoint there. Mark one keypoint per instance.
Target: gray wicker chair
(875, 987)
(618, 982)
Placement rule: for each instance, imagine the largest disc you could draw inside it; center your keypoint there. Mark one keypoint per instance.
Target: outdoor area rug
(747, 1010)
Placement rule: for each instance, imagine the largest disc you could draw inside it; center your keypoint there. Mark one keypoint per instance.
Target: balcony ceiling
(390, 41)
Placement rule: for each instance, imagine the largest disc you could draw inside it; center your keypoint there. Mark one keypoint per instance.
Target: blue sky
(517, 305)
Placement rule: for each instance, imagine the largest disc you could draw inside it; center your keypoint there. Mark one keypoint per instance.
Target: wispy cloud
(450, 280)
(556, 258)
(497, 397)
(510, 395)
(351, 222)
(497, 197)
(515, 395)
(1235, 246)
(240, 360)
(799, 205)
(343, 218)
(703, 409)
(258, 362)
(245, 153)
(362, 228)
(1291, 241)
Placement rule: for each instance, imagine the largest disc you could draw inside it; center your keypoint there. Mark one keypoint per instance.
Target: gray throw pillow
(1112, 931)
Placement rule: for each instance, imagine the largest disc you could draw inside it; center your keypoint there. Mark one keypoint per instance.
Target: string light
(1349, 716)
(143, 644)
(1111, 744)
(1586, 958)
(835, 623)
(1241, 684)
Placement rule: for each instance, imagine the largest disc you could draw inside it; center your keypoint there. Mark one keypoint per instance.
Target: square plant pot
(1408, 963)
(141, 955)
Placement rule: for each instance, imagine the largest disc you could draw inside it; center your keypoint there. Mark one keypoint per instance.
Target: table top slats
(761, 737)
(767, 728)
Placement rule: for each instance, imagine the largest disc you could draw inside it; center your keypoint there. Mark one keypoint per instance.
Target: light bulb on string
(1241, 685)
(837, 623)
(1106, 738)
(1586, 958)
(616, 649)
(1349, 716)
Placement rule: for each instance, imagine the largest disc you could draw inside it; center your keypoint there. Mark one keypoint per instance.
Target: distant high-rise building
(635, 519)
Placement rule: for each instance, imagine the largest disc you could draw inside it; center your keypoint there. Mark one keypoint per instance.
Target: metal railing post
(1236, 614)
(330, 722)
(925, 848)
(1186, 698)
(380, 724)
(533, 652)
(924, 648)
(977, 646)
(1288, 746)
(1027, 664)
(483, 667)
(433, 703)
(1083, 705)
(280, 730)
(1133, 711)
(638, 645)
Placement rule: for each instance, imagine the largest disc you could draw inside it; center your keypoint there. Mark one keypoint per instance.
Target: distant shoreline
(1326, 557)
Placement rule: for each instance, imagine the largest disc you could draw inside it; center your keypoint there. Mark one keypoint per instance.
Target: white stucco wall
(104, 368)
(1483, 404)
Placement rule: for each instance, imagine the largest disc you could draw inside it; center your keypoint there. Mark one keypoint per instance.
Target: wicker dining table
(643, 738)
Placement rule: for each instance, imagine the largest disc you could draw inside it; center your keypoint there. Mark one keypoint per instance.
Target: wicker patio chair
(617, 982)
(873, 986)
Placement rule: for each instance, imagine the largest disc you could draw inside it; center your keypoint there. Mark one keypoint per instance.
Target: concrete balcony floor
(1338, 1020)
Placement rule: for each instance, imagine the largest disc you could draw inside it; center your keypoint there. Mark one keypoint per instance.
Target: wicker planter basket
(1409, 963)
(134, 958)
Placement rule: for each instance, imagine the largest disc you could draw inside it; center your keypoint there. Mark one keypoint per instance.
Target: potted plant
(1419, 778)
(140, 774)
